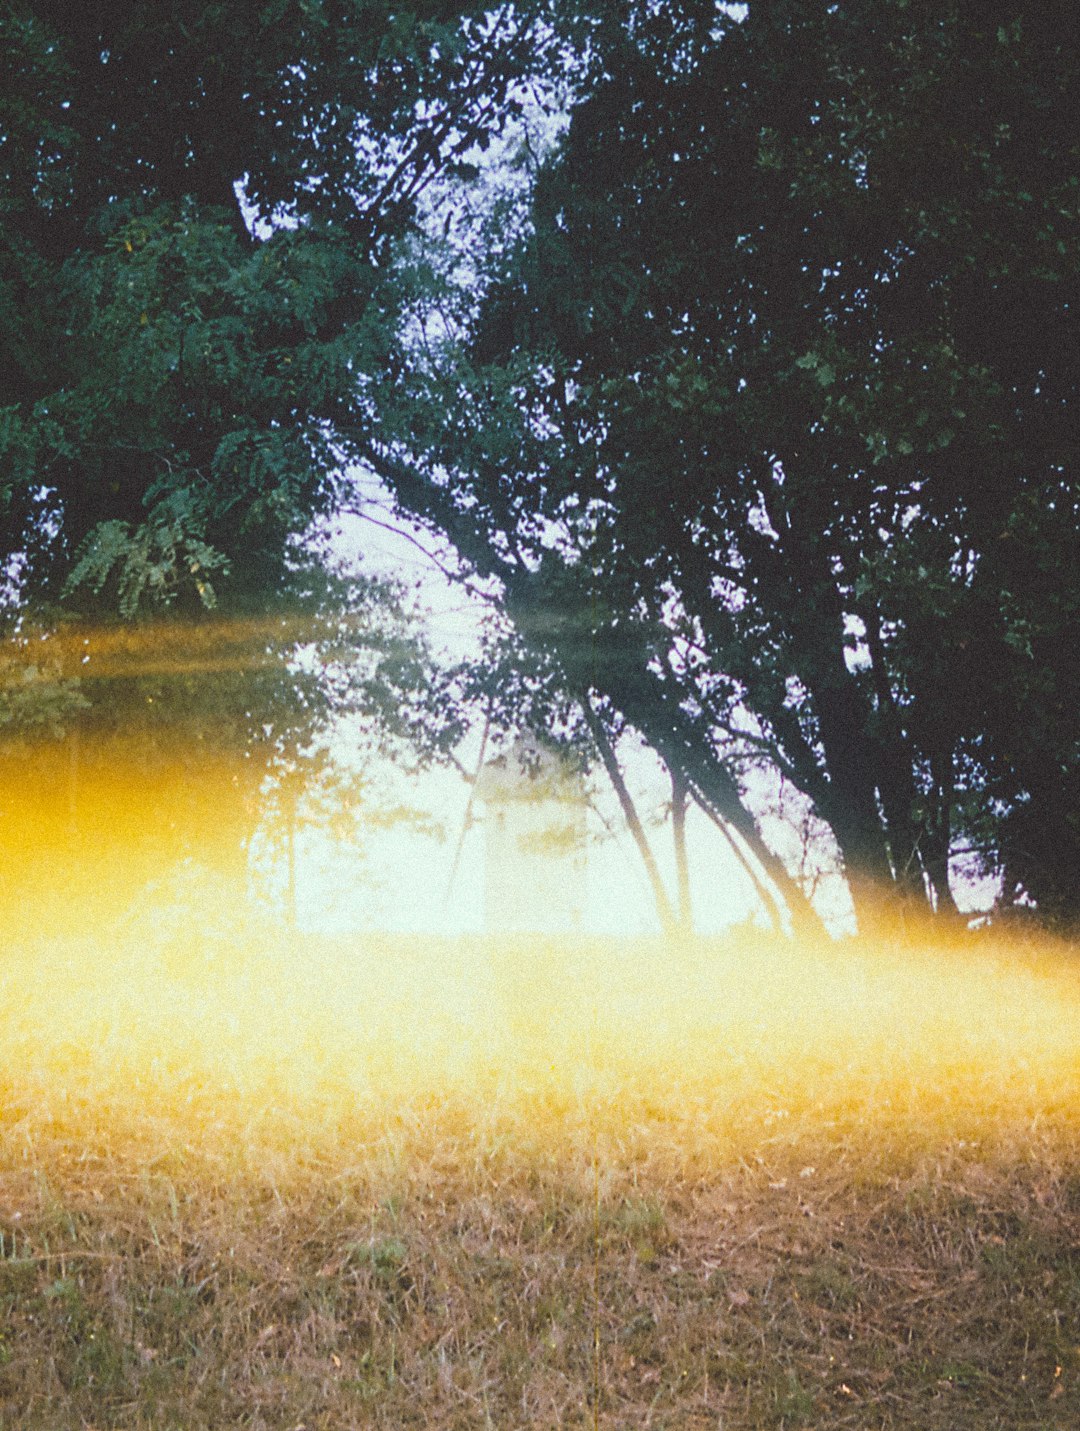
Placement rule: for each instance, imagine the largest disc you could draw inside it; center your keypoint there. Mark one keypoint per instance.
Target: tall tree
(197, 206)
(767, 424)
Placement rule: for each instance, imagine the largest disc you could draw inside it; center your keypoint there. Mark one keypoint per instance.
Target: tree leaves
(150, 563)
(789, 323)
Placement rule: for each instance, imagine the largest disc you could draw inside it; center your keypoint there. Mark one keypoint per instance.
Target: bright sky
(404, 881)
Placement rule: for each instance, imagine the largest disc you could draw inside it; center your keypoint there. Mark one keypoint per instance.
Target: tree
(202, 198)
(132, 747)
(197, 205)
(766, 425)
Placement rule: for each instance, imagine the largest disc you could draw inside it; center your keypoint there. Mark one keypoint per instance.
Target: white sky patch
(758, 517)
(856, 650)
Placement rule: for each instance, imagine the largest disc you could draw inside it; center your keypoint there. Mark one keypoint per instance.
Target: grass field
(729, 1185)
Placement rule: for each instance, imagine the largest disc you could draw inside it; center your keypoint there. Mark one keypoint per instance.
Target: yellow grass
(256, 1053)
(252, 1181)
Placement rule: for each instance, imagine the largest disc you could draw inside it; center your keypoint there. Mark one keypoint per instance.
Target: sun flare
(247, 1048)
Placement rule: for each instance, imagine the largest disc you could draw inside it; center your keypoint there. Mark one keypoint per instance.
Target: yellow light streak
(249, 1051)
(168, 648)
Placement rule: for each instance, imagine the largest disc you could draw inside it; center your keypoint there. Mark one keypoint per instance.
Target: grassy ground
(730, 1187)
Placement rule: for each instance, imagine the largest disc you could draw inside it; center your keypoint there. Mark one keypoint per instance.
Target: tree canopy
(198, 203)
(199, 200)
(768, 423)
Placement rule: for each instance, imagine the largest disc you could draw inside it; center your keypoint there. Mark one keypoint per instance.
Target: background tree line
(748, 383)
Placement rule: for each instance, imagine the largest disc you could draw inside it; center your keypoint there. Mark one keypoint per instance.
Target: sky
(403, 881)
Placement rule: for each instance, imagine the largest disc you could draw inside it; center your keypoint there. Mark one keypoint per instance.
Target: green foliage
(33, 702)
(765, 422)
(148, 563)
(186, 405)
(197, 206)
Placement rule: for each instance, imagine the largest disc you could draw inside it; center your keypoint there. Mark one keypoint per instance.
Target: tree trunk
(666, 915)
(680, 793)
(666, 728)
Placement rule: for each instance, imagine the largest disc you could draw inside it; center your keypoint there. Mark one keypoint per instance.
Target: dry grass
(461, 1186)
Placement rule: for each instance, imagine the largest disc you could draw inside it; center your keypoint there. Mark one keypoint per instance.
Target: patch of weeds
(553, 1313)
(638, 1334)
(963, 1374)
(882, 1356)
(718, 1280)
(642, 1224)
(372, 1375)
(64, 1302)
(99, 1364)
(386, 1258)
(177, 1300)
(18, 1277)
(919, 1198)
(733, 1364)
(1021, 1260)
(792, 1403)
(168, 1317)
(393, 1205)
(557, 1215)
(948, 1372)
(93, 1358)
(828, 1284)
(385, 1255)
(66, 1294)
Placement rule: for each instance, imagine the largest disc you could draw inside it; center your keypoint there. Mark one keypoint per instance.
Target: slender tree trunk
(681, 747)
(774, 910)
(861, 780)
(466, 823)
(908, 838)
(775, 887)
(680, 793)
(611, 764)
